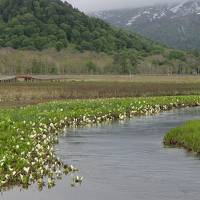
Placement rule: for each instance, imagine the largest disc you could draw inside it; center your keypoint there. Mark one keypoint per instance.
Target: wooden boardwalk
(24, 78)
(8, 79)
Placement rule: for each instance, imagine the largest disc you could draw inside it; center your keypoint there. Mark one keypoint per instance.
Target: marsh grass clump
(186, 136)
(28, 134)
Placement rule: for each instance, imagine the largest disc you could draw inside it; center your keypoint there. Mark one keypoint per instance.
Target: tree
(59, 46)
(75, 35)
(91, 67)
(40, 42)
(125, 62)
(176, 55)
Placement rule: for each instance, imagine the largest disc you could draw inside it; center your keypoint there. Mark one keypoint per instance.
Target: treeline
(42, 24)
(166, 62)
(74, 62)
(52, 62)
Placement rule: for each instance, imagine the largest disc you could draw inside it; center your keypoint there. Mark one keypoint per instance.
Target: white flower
(26, 169)
(14, 172)
(22, 177)
(44, 136)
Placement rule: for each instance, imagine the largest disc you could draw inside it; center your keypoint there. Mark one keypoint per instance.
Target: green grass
(28, 134)
(187, 136)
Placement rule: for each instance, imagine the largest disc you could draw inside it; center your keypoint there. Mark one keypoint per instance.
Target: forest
(41, 24)
(52, 37)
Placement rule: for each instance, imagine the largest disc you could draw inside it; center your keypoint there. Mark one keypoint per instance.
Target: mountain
(176, 25)
(54, 24)
(41, 24)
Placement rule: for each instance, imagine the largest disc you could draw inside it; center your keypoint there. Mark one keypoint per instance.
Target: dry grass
(87, 87)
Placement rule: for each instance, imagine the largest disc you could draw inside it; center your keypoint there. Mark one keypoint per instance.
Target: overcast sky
(93, 5)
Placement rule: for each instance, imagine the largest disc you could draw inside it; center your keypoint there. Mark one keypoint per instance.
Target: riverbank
(28, 134)
(186, 136)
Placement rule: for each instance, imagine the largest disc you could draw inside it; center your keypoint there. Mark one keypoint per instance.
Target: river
(125, 161)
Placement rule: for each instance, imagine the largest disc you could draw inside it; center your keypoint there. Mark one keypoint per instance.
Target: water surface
(125, 161)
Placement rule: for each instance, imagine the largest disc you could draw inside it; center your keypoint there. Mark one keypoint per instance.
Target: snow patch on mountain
(186, 8)
(133, 19)
(177, 8)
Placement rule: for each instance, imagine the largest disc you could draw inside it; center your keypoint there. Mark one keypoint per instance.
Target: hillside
(84, 45)
(41, 24)
(176, 25)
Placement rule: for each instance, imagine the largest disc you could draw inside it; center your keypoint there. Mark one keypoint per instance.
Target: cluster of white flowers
(40, 161)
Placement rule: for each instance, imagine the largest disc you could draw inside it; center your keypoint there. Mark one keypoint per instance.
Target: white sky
(94, 5)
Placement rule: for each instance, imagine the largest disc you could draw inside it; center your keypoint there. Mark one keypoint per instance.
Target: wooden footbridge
(23, 78)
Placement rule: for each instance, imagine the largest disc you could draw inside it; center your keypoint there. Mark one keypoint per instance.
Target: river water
(125, 161)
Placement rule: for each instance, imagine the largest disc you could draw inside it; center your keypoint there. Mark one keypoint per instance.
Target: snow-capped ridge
(153, 13)
(176, 8)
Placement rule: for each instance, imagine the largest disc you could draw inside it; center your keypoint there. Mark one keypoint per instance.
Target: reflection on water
(125, 160)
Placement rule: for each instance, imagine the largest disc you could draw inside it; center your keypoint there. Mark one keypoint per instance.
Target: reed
(31, 93)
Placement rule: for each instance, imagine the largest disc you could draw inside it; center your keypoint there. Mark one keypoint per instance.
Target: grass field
(91, 87)
(28, 134)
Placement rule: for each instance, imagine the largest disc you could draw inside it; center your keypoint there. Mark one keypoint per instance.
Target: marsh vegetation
(92, 87)
(28, 134)
(185, 136)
